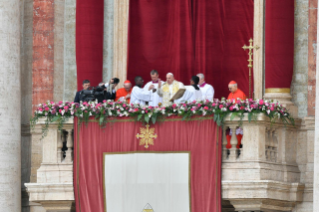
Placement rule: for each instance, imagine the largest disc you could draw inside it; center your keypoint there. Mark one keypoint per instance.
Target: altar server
(169, 88)
(192, 92)
(206, 89)
(156, 99)
(139, 95)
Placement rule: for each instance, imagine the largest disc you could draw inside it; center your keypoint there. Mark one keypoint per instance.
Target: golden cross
(250, 60)
(147, 136)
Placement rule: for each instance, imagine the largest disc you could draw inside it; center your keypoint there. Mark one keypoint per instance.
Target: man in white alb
(168, 89)
(156, 99)
(192, 92)
(206, 89)
(139, 95)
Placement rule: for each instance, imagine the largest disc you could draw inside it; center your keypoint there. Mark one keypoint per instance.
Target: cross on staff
(250, 60)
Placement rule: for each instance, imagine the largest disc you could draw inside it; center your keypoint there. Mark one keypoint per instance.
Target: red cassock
(122, 93)
(237, 94)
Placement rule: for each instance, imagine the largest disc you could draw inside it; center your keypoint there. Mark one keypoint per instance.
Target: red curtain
(173, 135)
(89, 41)
(279, 41)
(187, 37)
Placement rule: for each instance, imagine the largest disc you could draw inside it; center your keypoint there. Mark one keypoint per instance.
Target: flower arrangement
(61, 111)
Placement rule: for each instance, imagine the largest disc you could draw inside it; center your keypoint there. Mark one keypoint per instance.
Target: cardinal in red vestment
(235, 92)
(124, 94)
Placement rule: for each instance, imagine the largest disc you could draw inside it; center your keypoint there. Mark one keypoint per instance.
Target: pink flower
(52, 103)
(104, 101)
(66, 108)
(53, 112)
(124, 105)
(221, 106)
(261, 102)
(242, 107)
(46, 109)
(60, 102)
(205, 108)
(135, 110)
(272, 108)
(192, 109)
(213, 104)
(60, 110)
(238, 101)
(231, 107)
(174, 105)
(40, 109)
(198, 105)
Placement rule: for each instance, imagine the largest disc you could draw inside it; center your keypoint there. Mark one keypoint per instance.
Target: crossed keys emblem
(147, 136)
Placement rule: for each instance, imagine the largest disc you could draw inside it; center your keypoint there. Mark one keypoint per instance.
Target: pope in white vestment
(206, 89)
(140, 95)
(169, 89)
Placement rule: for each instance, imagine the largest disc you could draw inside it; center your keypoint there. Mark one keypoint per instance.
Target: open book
(178, 94)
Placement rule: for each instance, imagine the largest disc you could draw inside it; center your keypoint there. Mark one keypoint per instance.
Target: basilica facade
(277, 170)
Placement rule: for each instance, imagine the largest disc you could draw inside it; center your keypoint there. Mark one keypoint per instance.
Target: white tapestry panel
(134, 180)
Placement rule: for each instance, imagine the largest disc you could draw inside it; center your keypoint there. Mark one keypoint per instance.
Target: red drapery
(187, 37)
(201, 137)
(279, 41)
(89, 41)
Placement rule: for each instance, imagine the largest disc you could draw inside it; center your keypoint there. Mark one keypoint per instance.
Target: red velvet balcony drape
(203, 138)
(187, 37)
(279, 44)
(89, 41)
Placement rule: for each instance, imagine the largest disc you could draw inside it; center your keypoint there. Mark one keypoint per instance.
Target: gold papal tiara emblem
(148, 208)
(146, 136)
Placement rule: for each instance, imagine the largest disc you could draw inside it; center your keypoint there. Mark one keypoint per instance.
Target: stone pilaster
(70, 75)
(316, 148)
(121, 8)
(10, 107)
(312, 47)
(108, 40)
(258, 65)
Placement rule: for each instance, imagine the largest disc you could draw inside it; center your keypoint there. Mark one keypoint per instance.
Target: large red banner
(188, 37)
(200, 136)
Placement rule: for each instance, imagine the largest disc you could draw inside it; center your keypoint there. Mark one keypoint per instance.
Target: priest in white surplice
(206, 89)
(139, 95)
(192, 92)
(156, 99)
(168, 89)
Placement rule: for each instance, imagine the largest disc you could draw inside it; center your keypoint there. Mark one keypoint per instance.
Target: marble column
(121, 8)
(10, 107)
(316, 149)
(108, 40)
(70, 74)
(258, 64)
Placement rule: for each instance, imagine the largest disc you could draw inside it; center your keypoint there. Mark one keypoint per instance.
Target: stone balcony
(263, 175)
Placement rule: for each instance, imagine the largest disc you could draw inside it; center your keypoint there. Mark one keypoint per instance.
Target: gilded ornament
(147, 136)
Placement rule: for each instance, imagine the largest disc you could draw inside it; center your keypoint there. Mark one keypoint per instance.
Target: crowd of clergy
(162, 93)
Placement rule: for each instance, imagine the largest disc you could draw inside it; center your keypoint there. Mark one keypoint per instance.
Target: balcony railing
(263, 175)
